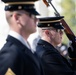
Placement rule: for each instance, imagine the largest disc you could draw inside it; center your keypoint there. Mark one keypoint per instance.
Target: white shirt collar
(19, 37)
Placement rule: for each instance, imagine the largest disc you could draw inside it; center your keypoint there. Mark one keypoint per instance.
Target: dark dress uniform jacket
(53, 62)
(18, 58)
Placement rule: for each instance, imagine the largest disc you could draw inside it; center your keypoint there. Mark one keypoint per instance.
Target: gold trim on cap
(49, 21)
(15, 3)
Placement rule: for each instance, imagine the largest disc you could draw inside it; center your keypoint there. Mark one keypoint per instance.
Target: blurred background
(66, 8)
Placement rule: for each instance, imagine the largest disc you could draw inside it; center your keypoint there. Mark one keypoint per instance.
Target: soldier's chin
(59, 43)
(33, 31)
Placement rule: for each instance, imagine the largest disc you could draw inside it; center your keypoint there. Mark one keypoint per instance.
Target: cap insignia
(48, 25)
(19, 7)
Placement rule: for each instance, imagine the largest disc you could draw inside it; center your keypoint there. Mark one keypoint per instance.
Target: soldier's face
(56, 36)
(28, 22)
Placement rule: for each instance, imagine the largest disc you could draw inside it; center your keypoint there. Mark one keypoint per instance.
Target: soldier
(51, 33)
(16, 57)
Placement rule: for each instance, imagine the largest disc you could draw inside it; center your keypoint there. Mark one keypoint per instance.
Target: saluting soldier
(51, 33)
(16, 57)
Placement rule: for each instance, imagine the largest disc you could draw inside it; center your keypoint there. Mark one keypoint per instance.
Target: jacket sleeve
(8, 60)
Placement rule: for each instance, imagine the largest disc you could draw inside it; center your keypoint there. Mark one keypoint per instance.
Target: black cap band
(51, 22)
(56, 25)
(18, 7)
(12, 5)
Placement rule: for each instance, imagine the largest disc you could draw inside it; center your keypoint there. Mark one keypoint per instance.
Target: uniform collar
(19, 37)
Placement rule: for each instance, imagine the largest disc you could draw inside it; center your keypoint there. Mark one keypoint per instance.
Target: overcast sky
(3, 25)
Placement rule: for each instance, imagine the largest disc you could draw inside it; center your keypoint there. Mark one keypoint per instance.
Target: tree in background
(69, 13)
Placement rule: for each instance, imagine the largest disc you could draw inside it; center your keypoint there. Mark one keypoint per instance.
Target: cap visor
(59, 27)
(32, 11)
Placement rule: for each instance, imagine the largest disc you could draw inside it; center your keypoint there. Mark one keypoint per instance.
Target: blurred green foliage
(69, 13)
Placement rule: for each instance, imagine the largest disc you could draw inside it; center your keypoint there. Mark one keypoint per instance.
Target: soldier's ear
(16, 17)
(47, 32)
